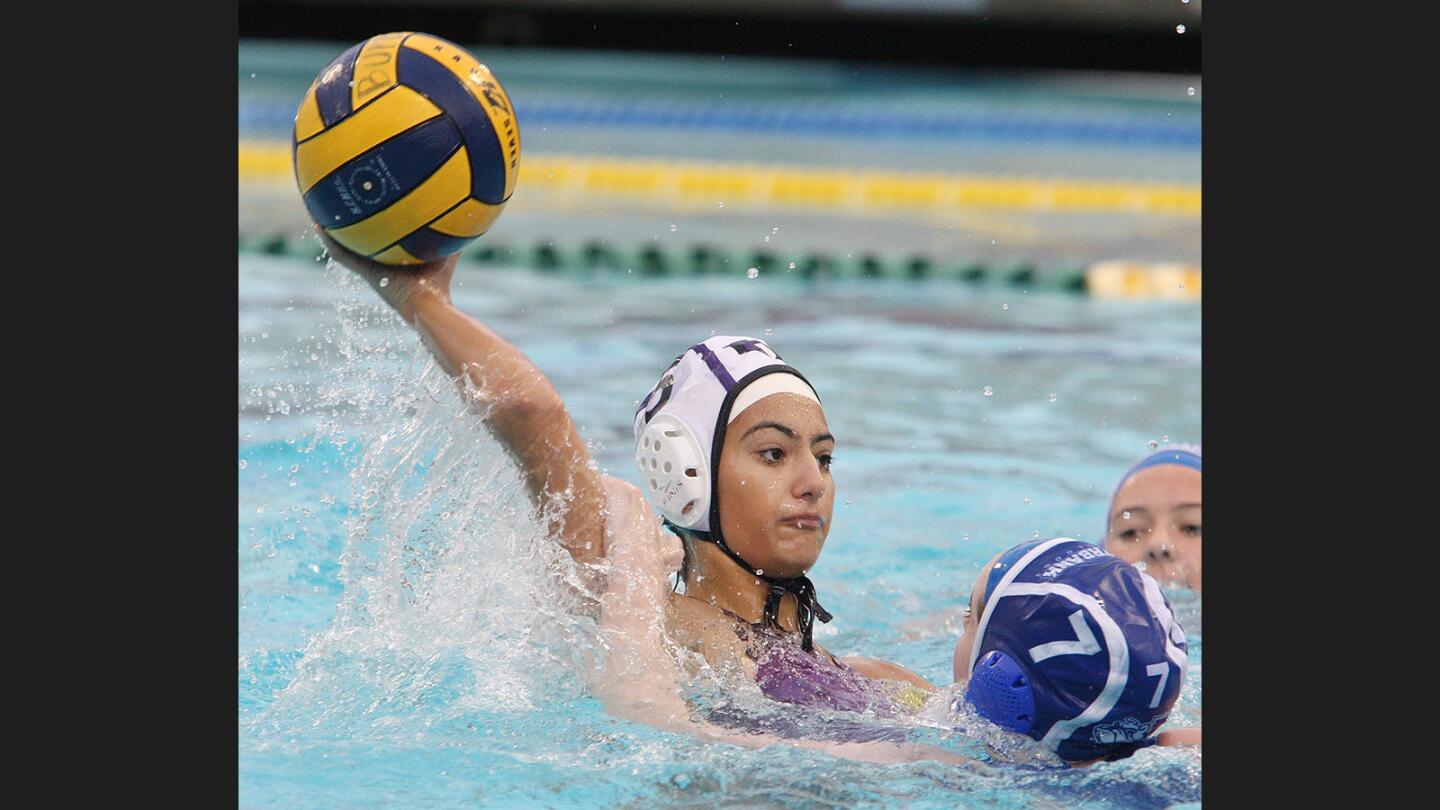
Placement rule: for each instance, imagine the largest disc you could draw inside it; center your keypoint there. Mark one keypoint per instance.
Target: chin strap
(807, 608)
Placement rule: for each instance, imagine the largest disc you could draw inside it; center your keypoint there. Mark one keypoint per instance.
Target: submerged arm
(878, 670)
(1178, 737)
(517, 402)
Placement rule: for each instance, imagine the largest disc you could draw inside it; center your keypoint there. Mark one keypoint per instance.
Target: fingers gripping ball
(406, 148)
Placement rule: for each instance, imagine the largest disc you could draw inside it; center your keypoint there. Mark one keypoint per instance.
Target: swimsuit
(787, 674)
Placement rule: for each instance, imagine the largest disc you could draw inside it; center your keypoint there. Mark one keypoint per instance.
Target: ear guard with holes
(1001, 692)
(674, 472)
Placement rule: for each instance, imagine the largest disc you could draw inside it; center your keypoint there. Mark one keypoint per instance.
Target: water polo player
(1154, 516)
(1075, 648)
(734, 451)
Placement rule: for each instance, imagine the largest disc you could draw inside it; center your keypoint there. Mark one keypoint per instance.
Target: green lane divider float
(705, 259)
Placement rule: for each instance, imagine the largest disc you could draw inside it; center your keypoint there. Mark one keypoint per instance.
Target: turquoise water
(399, 643)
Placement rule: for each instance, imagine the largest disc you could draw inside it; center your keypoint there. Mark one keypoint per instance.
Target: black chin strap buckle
(808, 608)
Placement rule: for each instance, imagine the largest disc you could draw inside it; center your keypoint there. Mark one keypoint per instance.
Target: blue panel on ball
(332, 91)
(430, 245)
(437, 83)
(375, 179)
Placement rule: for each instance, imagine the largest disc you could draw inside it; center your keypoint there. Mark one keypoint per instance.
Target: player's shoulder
(703, 627)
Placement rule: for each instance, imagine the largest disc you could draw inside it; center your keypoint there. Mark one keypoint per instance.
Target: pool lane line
(691, 186)
(877, 122)
(1110, 279)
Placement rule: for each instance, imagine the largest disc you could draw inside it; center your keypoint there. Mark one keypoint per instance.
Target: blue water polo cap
(1181, 455)
(1086, 638)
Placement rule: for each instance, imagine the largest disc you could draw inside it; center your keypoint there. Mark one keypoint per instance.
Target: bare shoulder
(704, 628)
(876, 669)
(633, 531)
(694, 620)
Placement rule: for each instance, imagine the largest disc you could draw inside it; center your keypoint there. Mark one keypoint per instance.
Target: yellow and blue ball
(406, 148)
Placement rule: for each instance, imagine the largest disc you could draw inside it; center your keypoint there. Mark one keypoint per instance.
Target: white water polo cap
(680, 425)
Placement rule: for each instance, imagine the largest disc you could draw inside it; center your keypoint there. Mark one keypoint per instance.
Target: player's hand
(402, 287)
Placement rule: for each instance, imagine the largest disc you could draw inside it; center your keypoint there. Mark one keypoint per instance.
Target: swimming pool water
(399, 644)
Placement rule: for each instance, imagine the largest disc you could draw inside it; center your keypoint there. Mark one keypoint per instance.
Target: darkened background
(1124, 35)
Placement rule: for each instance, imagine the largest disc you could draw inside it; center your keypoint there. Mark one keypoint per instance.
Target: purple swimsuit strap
(744, 630)
(788, 674)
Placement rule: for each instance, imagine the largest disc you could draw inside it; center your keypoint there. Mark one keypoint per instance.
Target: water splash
(456, 603)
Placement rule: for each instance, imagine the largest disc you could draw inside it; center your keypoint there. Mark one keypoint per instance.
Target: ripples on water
(404, 640)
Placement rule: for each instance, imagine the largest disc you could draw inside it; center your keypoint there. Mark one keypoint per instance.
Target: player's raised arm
(517, 402)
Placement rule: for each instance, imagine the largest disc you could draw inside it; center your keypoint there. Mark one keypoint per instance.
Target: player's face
(775, 490)
(1155, 522)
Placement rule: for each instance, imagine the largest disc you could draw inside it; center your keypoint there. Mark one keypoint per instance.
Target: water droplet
(315, 568)
(1034, 535)
(244, 464)
(847, 501)
(1164, 438)
(987, 391)
(588, 545)
(1141, 565)
(384, 281)
(1027, 501)
(1004, 307)
(767, 239)
(673, 228)
(775, 229)
(252, 75)
(1189, 91)
(1180, 29)
(964, 535)
(1051, 397)
(769, 332)
(792, 265)
(1153, 444)
(1125, 515)
(752, 272)
(720, 204)
(759, 572)
(294, 468)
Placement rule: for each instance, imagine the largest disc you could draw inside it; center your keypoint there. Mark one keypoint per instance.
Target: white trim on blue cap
(1156, 601)
(988, 610)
